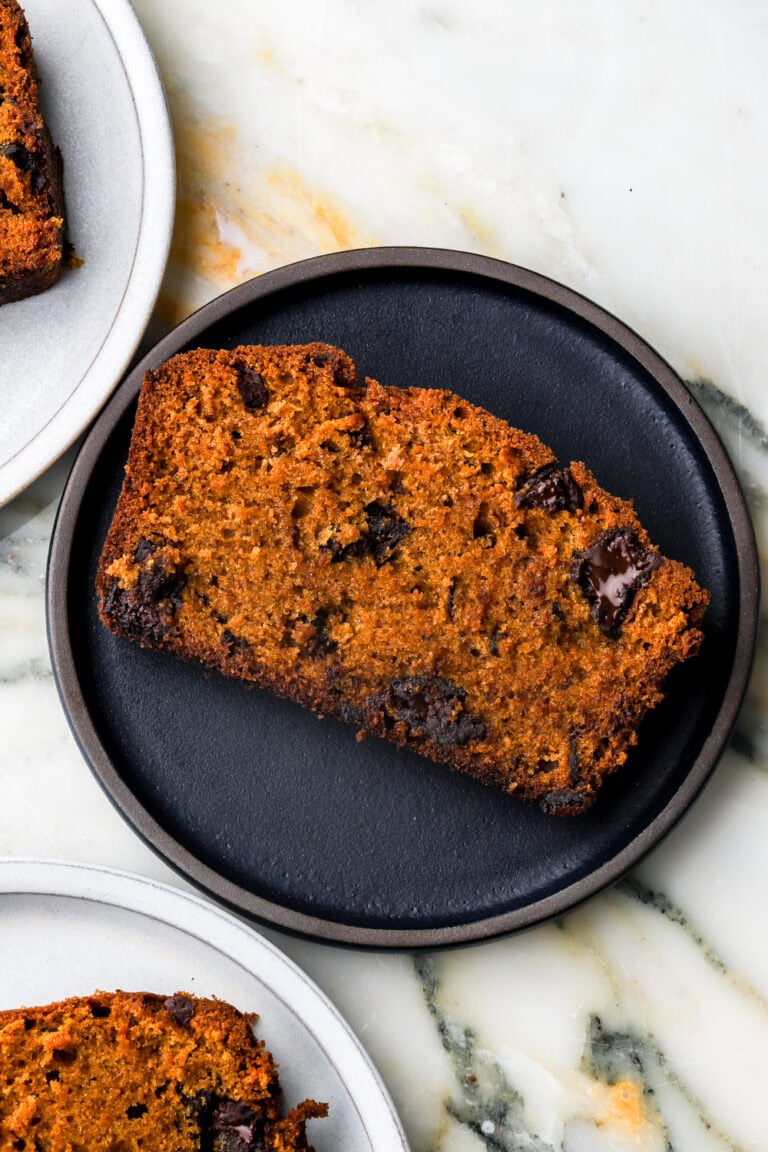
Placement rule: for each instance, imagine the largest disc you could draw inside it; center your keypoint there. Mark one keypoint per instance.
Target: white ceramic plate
(68, 929)
(62, 353)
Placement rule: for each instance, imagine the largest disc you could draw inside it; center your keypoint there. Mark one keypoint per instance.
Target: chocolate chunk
(21, 39)
(433, 707)
(181, 1008)
(251, 386)
(344, 376)
(24, 160)
(161, 580)
(236, 1128)
(29, 162)
(493, 642)
(384, 531)
(321, 643)
(199, 1109)
(551, 488)
(136, 1111)
(144, 549)
(235, 643)
(146, 611)
(610, 574)
(138, 619)
(557, 612)
(562, 802)
(6, 203)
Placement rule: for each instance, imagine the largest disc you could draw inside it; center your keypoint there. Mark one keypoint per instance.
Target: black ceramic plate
(287, 818)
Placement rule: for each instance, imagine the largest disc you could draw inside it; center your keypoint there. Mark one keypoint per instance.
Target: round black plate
(287, 818)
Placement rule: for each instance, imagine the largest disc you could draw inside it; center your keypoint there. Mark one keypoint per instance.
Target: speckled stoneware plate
(292, 820)
(62, 352)
(69, 929)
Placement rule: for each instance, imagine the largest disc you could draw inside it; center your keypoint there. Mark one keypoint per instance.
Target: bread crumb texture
(398, 558)
(31, 197)
(121, 1072)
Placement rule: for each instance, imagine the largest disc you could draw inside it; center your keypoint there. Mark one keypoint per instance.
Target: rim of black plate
(277, 915)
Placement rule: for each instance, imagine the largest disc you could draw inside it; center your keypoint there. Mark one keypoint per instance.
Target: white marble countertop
(618, 147)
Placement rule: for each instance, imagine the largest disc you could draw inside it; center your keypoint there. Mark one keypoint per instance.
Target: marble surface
(621, 148)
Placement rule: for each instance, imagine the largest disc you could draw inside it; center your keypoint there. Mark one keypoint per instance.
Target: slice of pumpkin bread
(399, 558)
(132, 1071)
(31, 194)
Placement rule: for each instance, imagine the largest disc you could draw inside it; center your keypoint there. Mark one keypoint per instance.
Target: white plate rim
(158, 199)
(242, 945)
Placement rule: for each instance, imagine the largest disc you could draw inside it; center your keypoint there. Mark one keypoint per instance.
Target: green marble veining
(735, 416)
(616, 1055)
(484, 1100)
(633, 888)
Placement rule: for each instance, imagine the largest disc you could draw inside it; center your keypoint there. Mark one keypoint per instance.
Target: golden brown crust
(31, 191)
(130, 1070)
(398, 558)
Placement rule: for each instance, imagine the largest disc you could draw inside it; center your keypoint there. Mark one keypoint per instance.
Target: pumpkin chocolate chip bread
(398, 558)
(31, 195)
(134, 1071)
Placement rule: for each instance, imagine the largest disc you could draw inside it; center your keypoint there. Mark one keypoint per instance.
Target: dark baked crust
(32, 229)
(172, 1073)
(398, 558)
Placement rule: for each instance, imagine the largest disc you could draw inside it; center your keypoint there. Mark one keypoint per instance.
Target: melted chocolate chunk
(181, 1008)
(610, 574)
(552, 489)
(563, 801)
(384, 531)
(251, 386)
(136, 1111)
(434, 708)
(236, 1128)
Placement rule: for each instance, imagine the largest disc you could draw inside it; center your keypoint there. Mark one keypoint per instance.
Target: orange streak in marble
(269, 216)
